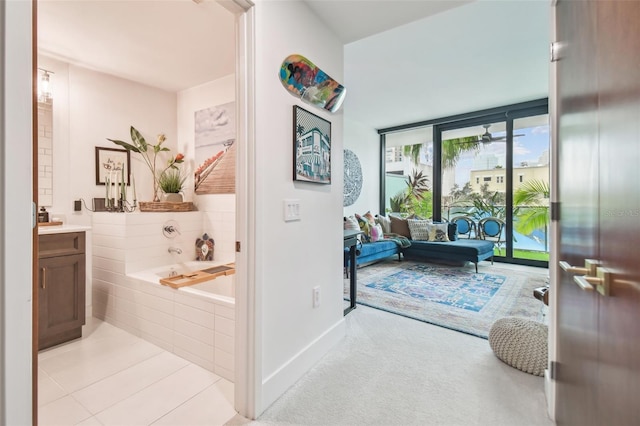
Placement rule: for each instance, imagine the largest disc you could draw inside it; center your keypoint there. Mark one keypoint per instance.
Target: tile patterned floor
(111, 377)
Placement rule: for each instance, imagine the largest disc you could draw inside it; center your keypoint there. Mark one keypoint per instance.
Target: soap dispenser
(43, 215)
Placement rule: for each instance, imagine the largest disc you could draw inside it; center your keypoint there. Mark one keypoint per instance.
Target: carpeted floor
(393, 371)
(455, 297)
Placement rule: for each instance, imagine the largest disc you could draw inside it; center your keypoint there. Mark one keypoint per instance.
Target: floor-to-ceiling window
(530, 188)
(408, 172)
(486, 164)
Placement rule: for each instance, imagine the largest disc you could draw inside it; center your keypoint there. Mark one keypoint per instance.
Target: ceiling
(353, 20)
(165, 44)
(404, 60)
(480, 55)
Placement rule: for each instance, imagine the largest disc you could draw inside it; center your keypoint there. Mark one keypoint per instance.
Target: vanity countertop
(59, 229)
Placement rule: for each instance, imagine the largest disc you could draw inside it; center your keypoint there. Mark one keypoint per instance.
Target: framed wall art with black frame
(110, 163)
(311, 147)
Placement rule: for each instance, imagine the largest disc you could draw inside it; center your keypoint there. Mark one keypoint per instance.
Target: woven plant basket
(166, 206)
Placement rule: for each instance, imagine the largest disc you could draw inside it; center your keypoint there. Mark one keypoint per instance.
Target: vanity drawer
(50, 245)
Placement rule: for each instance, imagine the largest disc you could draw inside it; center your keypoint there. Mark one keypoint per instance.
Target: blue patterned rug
(454, 297)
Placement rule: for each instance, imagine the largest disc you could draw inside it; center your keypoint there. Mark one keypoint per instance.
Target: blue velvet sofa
(371, 252)
(456, 250)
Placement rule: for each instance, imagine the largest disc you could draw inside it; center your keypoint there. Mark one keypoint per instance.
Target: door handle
(602, 281)
(590, 266)
(584, 282)
(44, 278)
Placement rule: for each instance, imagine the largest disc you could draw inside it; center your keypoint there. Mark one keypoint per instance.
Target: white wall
(364, 141)
(219, 219)
(88, 108)
(292, 258)
(15, 213)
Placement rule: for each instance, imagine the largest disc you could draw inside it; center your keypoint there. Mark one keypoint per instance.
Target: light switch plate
(291, 210)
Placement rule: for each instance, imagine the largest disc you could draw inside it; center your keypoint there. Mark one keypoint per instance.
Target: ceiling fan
(486, 138)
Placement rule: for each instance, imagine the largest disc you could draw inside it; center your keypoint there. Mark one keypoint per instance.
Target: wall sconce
(44, 85)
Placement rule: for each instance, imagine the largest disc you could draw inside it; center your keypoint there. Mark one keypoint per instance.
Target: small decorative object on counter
(43, 215)
(204, 248)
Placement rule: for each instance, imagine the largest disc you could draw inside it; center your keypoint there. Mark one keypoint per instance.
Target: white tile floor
(111, 377)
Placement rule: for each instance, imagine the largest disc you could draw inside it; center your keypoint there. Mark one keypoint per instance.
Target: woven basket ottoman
(520, 343)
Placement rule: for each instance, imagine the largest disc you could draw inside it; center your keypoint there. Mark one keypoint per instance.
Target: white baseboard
(290, 372)
(549, 392)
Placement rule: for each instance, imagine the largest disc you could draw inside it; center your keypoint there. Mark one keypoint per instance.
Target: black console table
(351, 240)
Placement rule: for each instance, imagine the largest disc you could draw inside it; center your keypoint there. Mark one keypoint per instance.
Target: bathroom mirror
(45, 153)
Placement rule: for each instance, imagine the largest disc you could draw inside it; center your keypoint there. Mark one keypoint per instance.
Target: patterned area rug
(454, 297)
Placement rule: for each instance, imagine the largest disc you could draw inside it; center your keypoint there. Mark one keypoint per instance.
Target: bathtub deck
(197, 277)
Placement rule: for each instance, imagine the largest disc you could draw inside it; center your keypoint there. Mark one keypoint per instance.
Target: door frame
(248, 350)
(17, 212)
(554, 228)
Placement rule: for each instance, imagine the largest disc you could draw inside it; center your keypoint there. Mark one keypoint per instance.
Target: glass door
(408, 172)
(474, 178)
(499, 169)
(531, 188)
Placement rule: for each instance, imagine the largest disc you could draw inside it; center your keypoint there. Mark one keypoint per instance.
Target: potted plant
(149, 154)
(171, 181)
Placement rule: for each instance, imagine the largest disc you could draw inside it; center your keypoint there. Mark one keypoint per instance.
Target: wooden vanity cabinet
(61, 287)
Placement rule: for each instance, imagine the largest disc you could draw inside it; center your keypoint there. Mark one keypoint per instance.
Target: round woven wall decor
(352, 178)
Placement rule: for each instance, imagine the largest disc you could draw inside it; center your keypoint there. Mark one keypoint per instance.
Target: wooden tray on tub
(197, 277)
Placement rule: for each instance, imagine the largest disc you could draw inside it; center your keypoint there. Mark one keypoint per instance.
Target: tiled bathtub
(195, 323)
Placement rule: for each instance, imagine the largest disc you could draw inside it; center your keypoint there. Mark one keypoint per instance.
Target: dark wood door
(598, 337)
(618, 382)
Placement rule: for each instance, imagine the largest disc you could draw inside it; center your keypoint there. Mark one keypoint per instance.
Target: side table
(351, 240)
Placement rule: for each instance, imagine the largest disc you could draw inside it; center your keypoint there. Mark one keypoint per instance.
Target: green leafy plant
(531, 212)
(149, 154)
(488, 203)
(171, 181)
(414, 197)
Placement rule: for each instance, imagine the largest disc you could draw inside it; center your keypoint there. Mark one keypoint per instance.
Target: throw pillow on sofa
(384, 222)
(425, 230)
(365, 228)
(376, 233)
(351, 223)
(419, 229)
(370, 218)
(400, 225)
(438, 232)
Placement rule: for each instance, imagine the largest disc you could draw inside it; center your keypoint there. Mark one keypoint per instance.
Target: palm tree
(531, 215)
(413, 152)
(453, 148)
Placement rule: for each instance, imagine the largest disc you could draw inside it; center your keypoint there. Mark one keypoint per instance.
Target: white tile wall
(45, 154)
(220, 222)
(193, 328)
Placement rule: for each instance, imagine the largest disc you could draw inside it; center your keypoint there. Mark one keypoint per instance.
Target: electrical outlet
(316, 296)
(77, 205)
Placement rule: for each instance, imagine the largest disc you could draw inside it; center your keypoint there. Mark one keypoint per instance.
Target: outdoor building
(495, 178)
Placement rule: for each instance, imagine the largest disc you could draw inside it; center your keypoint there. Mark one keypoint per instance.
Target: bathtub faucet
(177, 250)
(170, 229)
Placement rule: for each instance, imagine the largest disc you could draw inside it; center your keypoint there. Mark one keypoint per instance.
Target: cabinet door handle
(44, 278)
